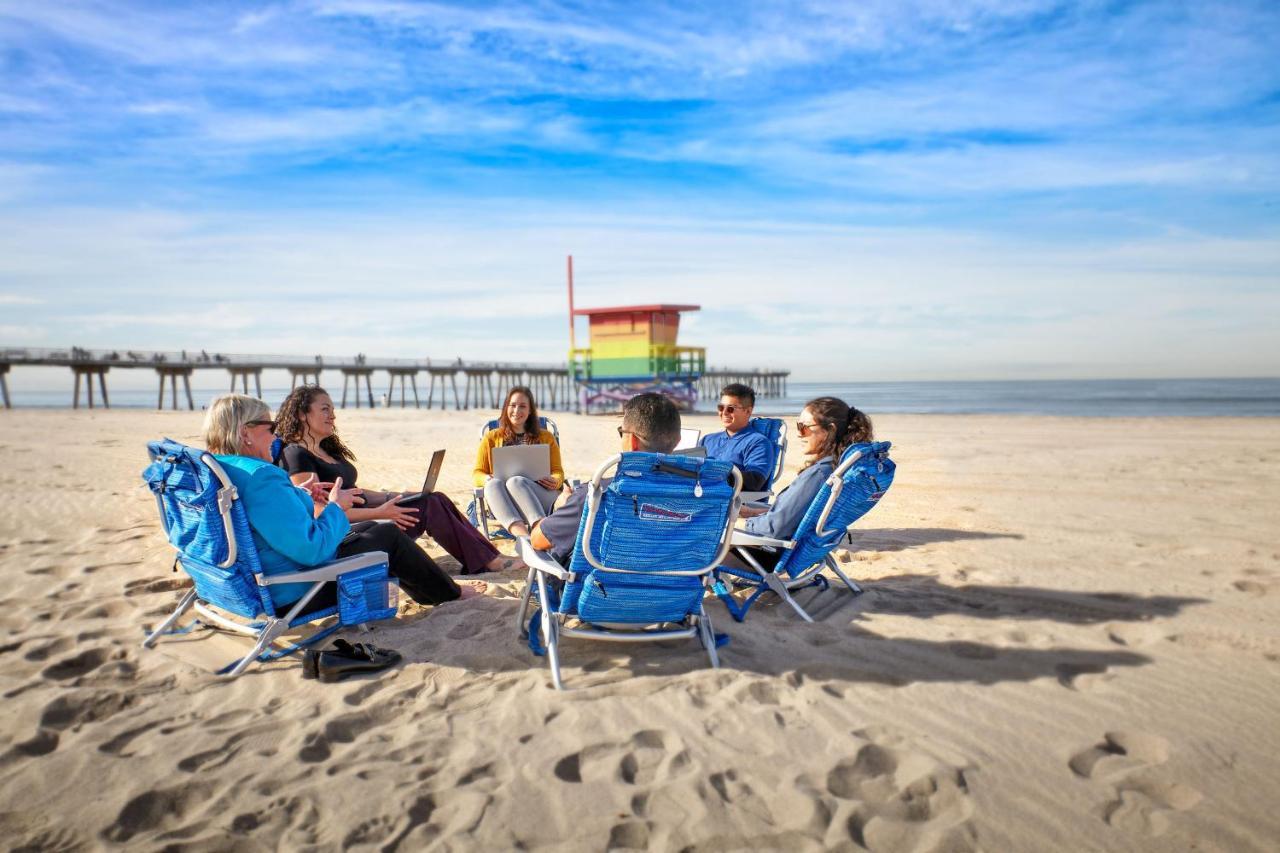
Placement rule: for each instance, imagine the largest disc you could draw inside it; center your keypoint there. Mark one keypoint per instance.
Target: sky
(879, 190)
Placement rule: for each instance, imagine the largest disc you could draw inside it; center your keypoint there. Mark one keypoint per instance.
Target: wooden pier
(485, 383)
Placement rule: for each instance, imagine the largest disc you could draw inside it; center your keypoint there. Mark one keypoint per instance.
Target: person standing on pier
(744, 447)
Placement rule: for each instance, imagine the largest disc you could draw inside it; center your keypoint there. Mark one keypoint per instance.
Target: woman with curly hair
(294, 530)
(314, 452)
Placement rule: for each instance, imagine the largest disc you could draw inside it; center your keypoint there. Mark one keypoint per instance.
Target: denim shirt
(783, 518)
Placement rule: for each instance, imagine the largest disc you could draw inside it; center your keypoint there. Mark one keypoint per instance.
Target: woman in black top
(312, 449)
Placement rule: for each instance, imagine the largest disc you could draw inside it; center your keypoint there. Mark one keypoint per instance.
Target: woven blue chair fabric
(660, 513)
(864, 484)
(772, 429)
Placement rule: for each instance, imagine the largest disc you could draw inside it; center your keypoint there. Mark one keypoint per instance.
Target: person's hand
(340, 496)
(549, 483)
(403, 517)
(751, 511)
(319, 491)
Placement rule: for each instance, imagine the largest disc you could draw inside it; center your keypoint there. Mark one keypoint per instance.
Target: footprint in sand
(1135, 634)
(902, 798)
(1250, 587)
(1082, 676)
(1127, 763)
(74, 667)
(649, 756)
(157, 809)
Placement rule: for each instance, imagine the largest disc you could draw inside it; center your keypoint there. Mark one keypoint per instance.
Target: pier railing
(485, 382)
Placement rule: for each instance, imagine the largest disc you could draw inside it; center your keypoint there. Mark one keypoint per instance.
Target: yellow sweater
(493, 438)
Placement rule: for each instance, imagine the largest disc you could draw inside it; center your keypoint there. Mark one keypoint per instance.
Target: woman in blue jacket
(826, 428)
(295, 529)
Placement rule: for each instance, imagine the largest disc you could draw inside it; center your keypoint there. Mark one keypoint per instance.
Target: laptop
(522, 460)
(688, 438)
(700, 452)
(429, 482)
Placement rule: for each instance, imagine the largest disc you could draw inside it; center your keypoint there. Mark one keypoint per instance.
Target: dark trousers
(420, 577)
(440, 519)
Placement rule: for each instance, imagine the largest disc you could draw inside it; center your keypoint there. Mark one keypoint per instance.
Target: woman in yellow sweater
(518, 498)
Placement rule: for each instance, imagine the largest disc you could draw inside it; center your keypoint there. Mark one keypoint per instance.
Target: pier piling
(172, 374)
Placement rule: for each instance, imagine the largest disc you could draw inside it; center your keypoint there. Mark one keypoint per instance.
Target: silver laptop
(522, 460)
(688, 438)
(429, 482)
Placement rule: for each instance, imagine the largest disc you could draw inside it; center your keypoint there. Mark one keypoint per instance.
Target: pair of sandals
(343, 658)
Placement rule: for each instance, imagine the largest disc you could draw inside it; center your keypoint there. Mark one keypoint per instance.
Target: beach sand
(1068, 641)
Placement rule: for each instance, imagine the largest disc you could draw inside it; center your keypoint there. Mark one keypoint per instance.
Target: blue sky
(878, 190)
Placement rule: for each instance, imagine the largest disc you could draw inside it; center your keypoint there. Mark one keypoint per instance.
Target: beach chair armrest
(756, 496)
(539, 560)
(327, 571)
(742, 537)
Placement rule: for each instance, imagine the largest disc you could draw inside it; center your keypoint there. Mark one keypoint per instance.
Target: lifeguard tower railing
(665, 362)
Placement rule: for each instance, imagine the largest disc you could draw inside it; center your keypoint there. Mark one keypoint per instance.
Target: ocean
(1093, 398)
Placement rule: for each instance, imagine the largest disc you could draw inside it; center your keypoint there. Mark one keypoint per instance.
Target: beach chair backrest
(207, 525)
(648, 536)
(774, 429)
(863, 476)
(543, 423)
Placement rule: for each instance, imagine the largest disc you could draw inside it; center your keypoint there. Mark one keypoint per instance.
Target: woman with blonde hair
(295, 528)
(518, 499)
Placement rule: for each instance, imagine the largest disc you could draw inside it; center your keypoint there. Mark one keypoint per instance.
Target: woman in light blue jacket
(826, 428)
(295, 529)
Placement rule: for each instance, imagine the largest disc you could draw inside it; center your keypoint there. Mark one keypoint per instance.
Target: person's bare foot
(502, 563)
(471, 589)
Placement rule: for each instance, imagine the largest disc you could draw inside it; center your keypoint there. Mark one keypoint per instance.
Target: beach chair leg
(270, 631)
(708, 634)
(524, 604)
(835, 567)
(183, 606)
(482, 513)
(550, 633)
(775, 583)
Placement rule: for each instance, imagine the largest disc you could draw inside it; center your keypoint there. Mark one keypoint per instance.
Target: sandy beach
(1068, 640)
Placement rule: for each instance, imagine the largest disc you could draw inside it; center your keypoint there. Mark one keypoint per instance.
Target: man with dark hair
(649, 422)
(739, 444)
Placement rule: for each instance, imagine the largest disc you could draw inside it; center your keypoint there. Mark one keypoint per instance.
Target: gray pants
(518, 499)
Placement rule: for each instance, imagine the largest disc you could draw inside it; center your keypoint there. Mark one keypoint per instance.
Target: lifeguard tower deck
(632, 350)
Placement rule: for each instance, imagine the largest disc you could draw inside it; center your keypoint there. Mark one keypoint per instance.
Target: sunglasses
(729, 410)
(271, 424)
(802, 428)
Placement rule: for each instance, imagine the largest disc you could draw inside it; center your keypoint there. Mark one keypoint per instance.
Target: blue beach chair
(863, 476)
(205, 521)
(477, 512)
(774, 429)
(649, 539)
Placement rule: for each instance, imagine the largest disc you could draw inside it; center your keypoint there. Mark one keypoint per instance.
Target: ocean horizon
(1225, 397)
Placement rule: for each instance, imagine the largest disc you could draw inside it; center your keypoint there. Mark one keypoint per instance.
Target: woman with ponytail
(826, 428)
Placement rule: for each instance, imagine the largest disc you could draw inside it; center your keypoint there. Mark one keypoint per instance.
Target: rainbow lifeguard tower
(632, 350)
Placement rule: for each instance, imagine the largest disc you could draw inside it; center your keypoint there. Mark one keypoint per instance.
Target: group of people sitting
(304, 506)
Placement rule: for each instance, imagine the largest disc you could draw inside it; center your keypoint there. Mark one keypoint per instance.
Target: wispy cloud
(975, 180)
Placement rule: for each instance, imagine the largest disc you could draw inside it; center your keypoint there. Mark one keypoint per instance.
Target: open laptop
(688, 438)
(429, 482)
(522, 460)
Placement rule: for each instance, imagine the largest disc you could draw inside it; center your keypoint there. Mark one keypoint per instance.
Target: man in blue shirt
(751, 451)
